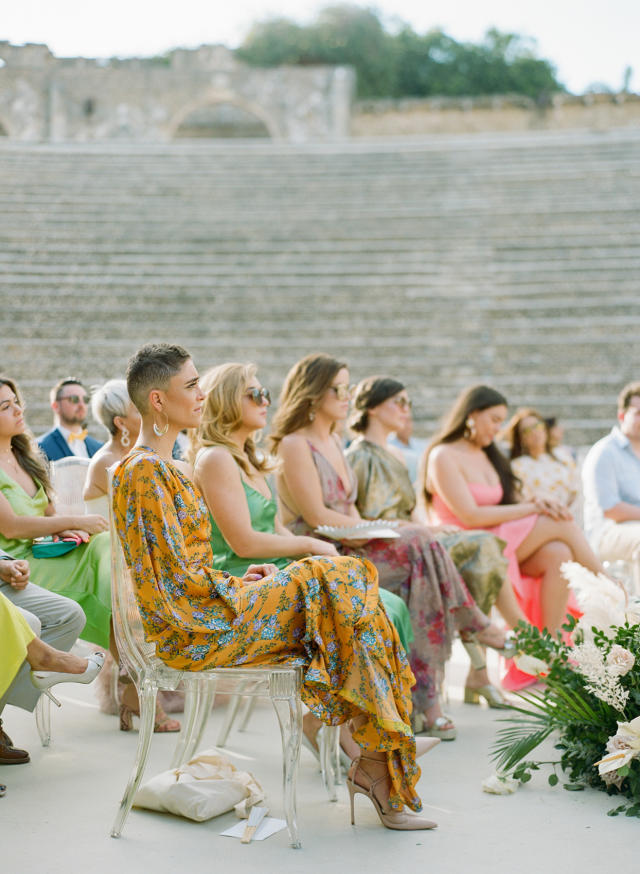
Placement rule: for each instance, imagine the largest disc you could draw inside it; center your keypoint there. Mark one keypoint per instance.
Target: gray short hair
(108, 401)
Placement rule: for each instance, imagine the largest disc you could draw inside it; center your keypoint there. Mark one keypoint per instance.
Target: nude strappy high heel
(393, 819)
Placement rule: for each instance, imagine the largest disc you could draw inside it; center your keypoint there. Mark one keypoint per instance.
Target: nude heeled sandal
(393, 819)
(491, 694)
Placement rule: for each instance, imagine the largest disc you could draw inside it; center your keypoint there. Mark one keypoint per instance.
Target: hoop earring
(124, 438)
(470, 429)
(160, 432)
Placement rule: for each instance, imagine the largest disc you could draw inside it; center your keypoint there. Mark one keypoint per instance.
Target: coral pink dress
(527, 589)
(512, 533)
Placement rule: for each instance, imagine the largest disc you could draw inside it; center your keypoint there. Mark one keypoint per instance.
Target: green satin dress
(263, 517)
(84, 574)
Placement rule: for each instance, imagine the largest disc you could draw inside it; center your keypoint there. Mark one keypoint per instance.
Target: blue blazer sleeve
(54, 445)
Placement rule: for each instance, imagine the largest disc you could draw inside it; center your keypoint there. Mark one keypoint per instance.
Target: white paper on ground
(269, 826)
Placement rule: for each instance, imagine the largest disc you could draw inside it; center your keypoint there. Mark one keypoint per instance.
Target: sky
(589, 41)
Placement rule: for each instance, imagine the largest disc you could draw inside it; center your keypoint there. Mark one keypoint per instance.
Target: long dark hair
(473, 400)
(26, 449)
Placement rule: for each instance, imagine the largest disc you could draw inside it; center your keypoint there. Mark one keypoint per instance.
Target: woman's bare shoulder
(444, 452)
(214, 457)
(294, 442)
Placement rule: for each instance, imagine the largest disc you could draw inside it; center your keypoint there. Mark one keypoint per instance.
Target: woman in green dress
(232, 474)
(27, 512)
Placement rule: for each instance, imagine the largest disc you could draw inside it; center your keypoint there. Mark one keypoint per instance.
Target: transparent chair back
(281, 684)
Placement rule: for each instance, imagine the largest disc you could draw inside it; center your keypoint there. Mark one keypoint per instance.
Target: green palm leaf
(514, 743)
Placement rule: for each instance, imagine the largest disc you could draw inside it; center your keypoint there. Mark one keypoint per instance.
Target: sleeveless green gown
(263, 515)
(84, 574)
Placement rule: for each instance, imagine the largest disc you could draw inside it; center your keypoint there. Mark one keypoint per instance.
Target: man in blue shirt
(611, 483)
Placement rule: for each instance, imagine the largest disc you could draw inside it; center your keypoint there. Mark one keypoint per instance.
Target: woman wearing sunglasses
(232, 475)
(543, 473)
(385, 491)
(317, 487)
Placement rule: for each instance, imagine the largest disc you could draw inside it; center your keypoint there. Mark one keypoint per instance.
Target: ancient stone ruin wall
(440, 115)
(44, 98)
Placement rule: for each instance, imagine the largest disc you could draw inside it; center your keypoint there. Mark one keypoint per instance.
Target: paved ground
(56, 816)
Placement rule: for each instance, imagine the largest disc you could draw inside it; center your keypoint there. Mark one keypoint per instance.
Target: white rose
(531, 665)
(620, 660)
(498, 784)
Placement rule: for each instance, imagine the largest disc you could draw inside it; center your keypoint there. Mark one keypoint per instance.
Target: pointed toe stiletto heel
(44, 680)
(393, 819)
(493, 696)
(424, 745)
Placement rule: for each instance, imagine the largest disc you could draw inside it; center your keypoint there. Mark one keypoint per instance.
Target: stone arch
(219, 98)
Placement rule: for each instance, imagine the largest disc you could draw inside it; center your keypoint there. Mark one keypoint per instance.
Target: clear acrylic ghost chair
(280, 684)
(327, 738)
(67, 479)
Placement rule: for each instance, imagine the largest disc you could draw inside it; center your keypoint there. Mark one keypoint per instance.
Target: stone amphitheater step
(510, 259)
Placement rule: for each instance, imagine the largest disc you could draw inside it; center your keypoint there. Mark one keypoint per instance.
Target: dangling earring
(470, 429)
(312, 415)
(160, 432)
(124, 437)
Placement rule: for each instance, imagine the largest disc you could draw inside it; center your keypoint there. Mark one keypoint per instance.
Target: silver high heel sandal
(43, 680)
(394, 819)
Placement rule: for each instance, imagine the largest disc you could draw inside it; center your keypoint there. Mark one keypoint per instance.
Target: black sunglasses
(75, 399)
(259, 396)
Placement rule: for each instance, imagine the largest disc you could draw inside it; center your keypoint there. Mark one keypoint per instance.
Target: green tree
(404, 63)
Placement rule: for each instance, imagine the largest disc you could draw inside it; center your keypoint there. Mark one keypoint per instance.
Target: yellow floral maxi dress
(321, 613)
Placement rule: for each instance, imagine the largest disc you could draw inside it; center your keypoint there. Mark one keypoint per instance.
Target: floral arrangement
(590, 700)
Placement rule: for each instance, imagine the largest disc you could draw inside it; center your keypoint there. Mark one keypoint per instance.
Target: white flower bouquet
(591, 698)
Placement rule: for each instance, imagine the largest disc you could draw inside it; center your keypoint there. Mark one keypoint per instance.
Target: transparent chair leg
(147, 694)
(289, 713)
(325, 737)
(205, 702)
(189, 723)
(230, 715)
(43, 720)
(247, 710)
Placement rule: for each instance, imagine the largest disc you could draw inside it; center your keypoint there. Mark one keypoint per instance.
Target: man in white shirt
(70, 404)
(611, 484)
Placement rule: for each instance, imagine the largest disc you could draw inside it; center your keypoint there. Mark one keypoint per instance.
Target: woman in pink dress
(468, 482)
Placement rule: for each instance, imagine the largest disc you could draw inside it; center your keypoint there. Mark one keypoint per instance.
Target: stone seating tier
(508, 259)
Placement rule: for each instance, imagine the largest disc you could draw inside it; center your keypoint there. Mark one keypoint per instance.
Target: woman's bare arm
(218, 477)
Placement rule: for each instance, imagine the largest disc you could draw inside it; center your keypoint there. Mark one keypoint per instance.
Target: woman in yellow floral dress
(322, 613)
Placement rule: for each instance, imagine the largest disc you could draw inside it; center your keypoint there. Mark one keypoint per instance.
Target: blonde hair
(224, 387)
(108, 401)
(305, 385)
